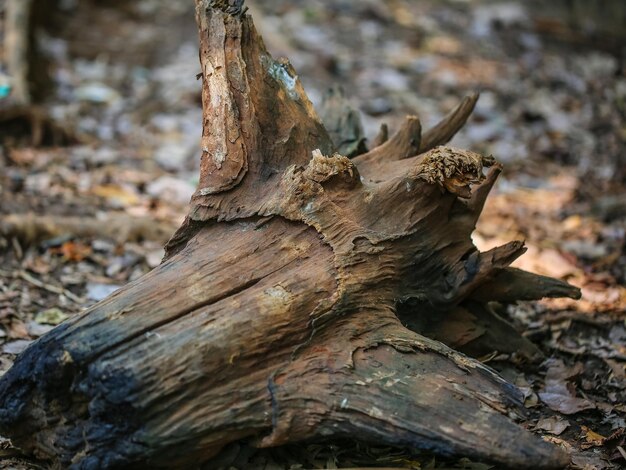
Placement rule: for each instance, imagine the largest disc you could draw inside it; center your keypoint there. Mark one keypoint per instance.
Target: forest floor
(79, 221)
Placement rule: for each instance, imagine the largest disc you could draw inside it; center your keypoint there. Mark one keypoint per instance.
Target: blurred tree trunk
(19, 38)
(21, 114)
(27, 68)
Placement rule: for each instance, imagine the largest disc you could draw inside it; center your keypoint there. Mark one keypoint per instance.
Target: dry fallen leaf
(17, 329)
(118, 195)
(559, 442)
(553, 425)
(52, 316)
(592, 438)
(73, 251)
(559, 393)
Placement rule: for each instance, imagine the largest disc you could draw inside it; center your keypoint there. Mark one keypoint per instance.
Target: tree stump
(274, 316)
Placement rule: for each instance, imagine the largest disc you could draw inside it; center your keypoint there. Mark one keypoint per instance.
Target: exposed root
(470, 273)
(356, 383)
(448, 127)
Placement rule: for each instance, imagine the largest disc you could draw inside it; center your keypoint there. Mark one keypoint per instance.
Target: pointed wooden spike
(502, 256)
(512, 284)
(447, 128)
(403, 144)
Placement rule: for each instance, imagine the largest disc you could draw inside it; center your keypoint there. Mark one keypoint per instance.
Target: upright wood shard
(343, 123)
(447, 128)
(257, 117)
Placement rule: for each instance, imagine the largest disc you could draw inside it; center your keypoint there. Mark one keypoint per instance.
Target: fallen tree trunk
(273, 316)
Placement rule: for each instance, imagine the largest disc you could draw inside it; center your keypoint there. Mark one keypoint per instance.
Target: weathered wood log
(273, 316)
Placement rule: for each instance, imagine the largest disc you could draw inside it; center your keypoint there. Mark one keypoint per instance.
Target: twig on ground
(42, 285)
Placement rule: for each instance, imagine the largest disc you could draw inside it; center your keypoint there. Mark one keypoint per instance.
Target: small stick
(49, 287)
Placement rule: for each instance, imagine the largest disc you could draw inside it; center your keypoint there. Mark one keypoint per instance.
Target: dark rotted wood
(473, 328)
(274, 316)
(343, 123)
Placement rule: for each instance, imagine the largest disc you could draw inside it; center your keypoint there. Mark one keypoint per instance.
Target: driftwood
(274, 316)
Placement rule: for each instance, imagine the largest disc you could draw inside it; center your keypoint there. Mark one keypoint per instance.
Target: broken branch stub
(343, 123)
(273, 316)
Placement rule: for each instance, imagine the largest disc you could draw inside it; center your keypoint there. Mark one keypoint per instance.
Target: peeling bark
(275, 313)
